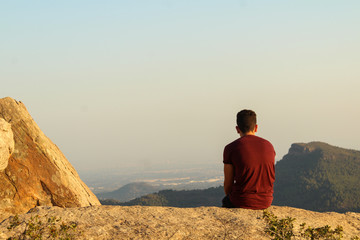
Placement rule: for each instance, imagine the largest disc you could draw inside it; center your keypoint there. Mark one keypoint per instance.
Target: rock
(33, 170)
(140, 222)
(6, 143)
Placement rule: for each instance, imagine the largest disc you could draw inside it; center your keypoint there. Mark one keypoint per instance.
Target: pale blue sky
(145, 84)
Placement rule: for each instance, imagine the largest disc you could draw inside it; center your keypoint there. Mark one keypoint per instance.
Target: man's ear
(256, 128)
(238, 130)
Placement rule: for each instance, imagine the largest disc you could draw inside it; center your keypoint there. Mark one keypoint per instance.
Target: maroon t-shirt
(253, 159)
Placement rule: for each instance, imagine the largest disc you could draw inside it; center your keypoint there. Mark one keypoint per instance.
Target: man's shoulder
(248, 140)
(260, 139)
(233, 143)
(257, 141)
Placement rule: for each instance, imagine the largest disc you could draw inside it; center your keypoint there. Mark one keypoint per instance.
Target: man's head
(246, 122)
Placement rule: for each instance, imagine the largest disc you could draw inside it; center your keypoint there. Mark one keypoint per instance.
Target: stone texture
(6, 143)
(139, 222)
(37, 173)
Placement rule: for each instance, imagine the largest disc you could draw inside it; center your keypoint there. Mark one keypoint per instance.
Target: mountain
(129, 192)
(314, 176)
(33, 170)
(185, 198)
(320, 177)
(197, 176)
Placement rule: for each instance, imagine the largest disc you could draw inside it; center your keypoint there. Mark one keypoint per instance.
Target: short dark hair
(246, 120)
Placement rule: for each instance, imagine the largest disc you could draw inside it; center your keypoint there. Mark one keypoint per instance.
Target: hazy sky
(150, 84)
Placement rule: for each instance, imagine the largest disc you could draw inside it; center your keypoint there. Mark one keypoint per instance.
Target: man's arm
(228, 178)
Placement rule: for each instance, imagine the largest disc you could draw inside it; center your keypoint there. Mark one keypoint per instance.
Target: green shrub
(279, 229)
(283, 229)
(321, 232)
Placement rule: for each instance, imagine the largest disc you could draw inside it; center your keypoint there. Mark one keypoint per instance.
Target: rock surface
(139, 222)
(33, 171)
(6, 143)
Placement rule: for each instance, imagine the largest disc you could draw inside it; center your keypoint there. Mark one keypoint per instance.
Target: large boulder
(33, 170)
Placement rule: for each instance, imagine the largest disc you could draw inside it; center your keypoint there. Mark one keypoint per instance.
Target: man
(249, 167)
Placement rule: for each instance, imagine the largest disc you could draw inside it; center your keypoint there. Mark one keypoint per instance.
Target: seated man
(249, 167)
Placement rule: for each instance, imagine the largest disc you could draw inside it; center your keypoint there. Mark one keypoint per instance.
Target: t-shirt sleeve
(226, 156)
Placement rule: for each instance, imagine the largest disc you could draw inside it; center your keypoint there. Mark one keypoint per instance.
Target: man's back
(253, 161)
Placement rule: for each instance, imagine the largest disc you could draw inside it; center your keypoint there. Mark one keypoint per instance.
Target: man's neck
(247, 134)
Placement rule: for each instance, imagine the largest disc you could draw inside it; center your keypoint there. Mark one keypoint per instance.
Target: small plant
(321, 232)
(14, 222)
(283, 229)
(53, 231)
(35, 229)
(279, 229)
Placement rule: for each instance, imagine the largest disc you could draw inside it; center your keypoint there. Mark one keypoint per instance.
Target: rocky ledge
(138, 222)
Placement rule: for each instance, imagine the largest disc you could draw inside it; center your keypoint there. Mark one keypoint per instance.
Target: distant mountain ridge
(319, 177)
(130, 191)
(314, 176)
(184, 198)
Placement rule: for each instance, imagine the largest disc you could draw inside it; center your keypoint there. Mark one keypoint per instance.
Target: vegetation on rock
(283, 229)
(35, 229)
